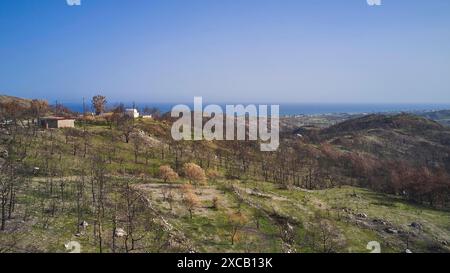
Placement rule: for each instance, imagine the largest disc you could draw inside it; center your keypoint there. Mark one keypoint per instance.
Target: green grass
(302, 206)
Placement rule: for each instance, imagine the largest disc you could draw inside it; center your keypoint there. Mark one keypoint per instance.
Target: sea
(293, 109)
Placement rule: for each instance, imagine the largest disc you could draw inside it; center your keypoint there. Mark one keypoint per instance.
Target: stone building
(57, 122)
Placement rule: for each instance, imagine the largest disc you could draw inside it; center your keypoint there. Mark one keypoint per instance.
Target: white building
(133, 113)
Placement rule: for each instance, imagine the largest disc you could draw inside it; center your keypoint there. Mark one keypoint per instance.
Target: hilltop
(21, 101)
(407, 122)
(399, 137)
(443, 116)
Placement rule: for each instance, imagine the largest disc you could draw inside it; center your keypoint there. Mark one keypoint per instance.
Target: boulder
(4, 153)
(391, 231)
(120, 232)
(416, 225)
(84, 224)
(380, 222)
(347, 210)
(290, 227)
(361, 215)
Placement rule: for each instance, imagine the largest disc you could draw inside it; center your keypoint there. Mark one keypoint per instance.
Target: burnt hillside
(417, 140)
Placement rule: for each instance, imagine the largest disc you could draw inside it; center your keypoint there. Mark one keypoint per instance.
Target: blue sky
(227, 50)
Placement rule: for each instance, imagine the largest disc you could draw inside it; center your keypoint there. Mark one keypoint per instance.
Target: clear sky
(227, 50)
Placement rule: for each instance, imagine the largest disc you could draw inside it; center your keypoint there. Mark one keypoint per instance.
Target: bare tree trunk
(114, 228)
(4, 202)
(11, 201)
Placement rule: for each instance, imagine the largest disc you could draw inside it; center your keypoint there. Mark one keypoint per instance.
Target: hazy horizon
(227, 51)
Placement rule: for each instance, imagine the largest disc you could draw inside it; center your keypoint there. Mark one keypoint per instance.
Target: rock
(408, 251)
(361, 215)
(84, 224)
(391, 231)
(416, 225)
(120, 232)
(291, 228)
(380, 222)
(4, 153)
(148, 140)
(363, 223)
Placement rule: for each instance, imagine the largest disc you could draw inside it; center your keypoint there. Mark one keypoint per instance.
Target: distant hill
(406, 137)
(20, 101)
(406, 122)
(443, 116)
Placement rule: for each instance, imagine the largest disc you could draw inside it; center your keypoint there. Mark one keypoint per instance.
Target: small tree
(191, 201)
(236, 221)
(167, 173)
(170, 198)
(215, 202)
(126, 127)
(137, 147)
(324, 237)
(257, 216)
(194, 173)
(98, 104)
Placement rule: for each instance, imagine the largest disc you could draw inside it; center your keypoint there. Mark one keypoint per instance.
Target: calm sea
(302, 108)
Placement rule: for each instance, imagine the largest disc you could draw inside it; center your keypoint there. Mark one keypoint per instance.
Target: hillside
(21, 101)
(443, 117)
(104, 184)
(406, 122)
(272, 219)
(404, 137)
